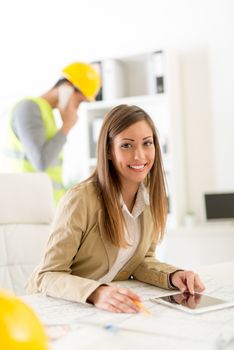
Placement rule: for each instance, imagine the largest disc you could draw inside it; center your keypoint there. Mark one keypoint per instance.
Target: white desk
(166, 328)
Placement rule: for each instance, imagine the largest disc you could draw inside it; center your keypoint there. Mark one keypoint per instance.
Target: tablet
(193, 303)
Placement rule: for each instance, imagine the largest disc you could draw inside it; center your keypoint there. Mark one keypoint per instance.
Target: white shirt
(132, 233)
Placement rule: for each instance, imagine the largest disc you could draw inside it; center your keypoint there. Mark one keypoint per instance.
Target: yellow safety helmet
(20, 328)
(84, 77)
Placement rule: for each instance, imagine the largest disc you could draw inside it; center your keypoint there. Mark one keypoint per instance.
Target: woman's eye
(126, 145)
(148, 143)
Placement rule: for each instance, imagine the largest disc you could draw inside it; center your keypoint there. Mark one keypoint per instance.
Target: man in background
(35, 143)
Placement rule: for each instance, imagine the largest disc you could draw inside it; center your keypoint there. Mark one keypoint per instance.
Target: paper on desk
(170, 322)
(220, 290)
(54, 311)
(87, 339)
(67, 312)
(183, 331)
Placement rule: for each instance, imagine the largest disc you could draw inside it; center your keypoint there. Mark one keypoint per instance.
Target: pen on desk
(142, 307)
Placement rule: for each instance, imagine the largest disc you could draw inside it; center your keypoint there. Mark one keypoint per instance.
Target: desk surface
(79, 326)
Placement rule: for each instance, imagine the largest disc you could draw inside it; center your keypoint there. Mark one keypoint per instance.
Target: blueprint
(72, 325)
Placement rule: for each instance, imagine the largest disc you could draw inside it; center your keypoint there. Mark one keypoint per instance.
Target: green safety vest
(15, 159)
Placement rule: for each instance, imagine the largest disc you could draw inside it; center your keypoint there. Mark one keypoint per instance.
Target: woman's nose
(138, 154)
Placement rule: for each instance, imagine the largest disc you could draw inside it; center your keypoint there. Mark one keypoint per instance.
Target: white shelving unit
(151, 82)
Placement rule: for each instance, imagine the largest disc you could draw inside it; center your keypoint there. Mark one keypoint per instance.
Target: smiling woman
(107, 227)
(121, 148)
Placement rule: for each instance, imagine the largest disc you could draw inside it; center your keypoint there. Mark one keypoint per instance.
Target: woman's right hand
(115, 299)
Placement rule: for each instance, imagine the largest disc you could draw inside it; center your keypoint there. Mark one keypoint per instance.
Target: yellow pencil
(142, 307)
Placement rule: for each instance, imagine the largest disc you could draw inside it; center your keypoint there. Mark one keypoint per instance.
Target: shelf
(160, 99)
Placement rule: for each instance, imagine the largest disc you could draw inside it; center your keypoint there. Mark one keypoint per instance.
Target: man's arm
(29, 128)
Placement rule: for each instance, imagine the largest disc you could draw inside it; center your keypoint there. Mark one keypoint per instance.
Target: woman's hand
(115, 299)
(187, 281)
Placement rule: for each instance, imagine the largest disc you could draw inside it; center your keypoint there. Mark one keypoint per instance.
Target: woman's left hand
(187, 281)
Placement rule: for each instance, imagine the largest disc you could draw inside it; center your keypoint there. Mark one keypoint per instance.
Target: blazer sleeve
(54, 277)
(153, 271)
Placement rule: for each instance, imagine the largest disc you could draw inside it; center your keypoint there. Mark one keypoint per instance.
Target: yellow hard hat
(20, 328)
(84, 77)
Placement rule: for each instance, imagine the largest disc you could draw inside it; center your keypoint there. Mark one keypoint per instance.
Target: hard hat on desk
(20, 328)
(84, 77)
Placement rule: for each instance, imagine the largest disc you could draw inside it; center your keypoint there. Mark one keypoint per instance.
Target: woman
(107, 227)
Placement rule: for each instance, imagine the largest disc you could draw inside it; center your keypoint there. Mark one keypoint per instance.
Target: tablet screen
(192, 301)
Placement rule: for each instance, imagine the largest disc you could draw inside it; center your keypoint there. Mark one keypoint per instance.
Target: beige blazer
(78, 253)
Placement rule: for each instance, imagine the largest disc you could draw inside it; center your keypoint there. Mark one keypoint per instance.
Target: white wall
(37, 38)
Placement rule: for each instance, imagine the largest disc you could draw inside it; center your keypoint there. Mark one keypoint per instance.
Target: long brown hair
(117, 120)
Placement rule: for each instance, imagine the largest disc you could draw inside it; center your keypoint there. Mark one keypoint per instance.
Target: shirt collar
(142, 199)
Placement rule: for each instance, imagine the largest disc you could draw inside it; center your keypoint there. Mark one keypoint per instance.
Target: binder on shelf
(112, 79)
(98, 66)
(94, 130)
(158, 71)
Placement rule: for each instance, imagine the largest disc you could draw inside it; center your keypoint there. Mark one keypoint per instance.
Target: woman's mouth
(137, 166)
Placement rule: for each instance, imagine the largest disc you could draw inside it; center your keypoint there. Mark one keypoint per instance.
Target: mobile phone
(193, 303)
(64, 93)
